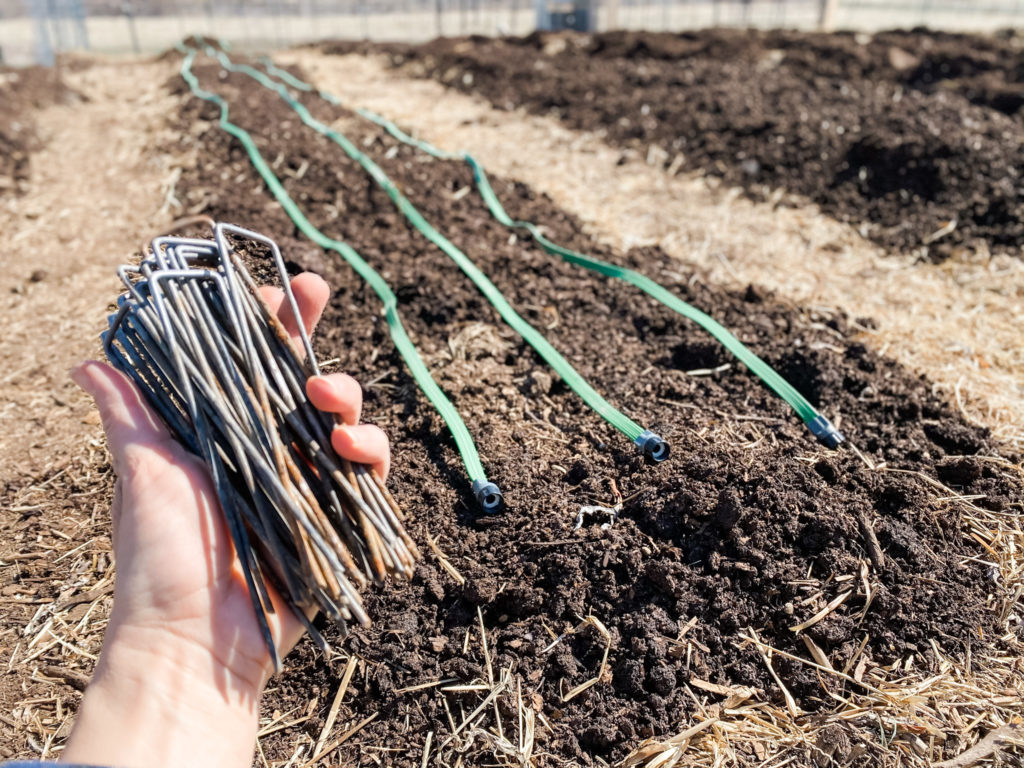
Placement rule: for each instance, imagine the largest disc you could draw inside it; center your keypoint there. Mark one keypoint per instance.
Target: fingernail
(312, 381)
(78, 375)
(353, 441)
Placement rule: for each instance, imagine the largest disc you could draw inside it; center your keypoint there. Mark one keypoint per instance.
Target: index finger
(311, 294)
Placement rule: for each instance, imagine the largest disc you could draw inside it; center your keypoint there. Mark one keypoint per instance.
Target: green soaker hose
(652, 445)
(818, 424)
(486, 493)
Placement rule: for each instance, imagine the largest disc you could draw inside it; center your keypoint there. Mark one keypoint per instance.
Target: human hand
(183, 660)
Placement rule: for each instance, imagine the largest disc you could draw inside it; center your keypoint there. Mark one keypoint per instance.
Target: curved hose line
(652, 445)
(819, 425)
(486, 493)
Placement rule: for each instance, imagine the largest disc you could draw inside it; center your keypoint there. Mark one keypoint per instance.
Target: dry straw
(910, 713)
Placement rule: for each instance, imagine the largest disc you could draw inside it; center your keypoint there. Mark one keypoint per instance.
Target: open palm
(179, 582)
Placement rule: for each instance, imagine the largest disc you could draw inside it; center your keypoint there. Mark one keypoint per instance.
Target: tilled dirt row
(751, 526)
(21, 91)
(913, 137)
(95, 189)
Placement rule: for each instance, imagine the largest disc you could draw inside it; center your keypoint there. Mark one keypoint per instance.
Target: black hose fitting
(488, 496)
(653, 446)
(826, 433)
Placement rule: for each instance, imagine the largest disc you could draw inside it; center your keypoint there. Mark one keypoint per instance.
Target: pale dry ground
(959, 323)
(96, 190)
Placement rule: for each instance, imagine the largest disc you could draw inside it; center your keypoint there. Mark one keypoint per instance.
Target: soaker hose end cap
(653, 446)
(825, 432)
(488, 496)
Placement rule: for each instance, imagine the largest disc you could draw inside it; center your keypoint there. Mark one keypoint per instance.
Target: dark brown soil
(21, 91)
(898, 134)
(748, 526)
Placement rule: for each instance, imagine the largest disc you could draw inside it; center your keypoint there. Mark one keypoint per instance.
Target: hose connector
(826, 433)
(653, 446)
(488, 496)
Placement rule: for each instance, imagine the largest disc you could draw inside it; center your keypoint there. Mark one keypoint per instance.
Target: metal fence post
(827, 19)
(78, 9)
(611, 15)
(43, 44)
(56, 27)
(543, 20)
(129, 13)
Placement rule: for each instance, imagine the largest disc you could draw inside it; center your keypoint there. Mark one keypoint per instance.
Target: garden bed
(21, 92)
(749, 530)
(913, 137)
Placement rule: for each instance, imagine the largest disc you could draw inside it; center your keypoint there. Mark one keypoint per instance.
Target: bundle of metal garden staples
(218, 366)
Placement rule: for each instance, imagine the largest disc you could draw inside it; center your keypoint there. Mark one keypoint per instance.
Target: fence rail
(33, 31)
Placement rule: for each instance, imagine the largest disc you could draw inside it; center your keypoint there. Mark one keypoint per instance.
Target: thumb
(127, 420)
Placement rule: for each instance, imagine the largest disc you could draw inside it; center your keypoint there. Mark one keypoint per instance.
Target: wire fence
(34, 31)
